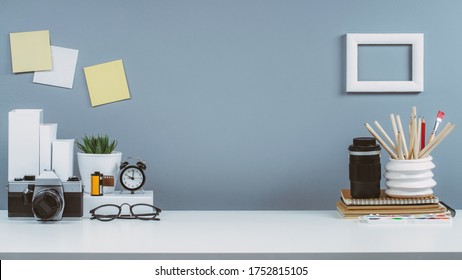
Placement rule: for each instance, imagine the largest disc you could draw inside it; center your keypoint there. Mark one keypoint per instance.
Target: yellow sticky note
(30, 51)
(106, 83)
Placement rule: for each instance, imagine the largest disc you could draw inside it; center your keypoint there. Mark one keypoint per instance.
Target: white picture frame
(416, 40)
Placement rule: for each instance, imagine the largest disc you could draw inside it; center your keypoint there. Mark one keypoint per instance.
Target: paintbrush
(438, 120)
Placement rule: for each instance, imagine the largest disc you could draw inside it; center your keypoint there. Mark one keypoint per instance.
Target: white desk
(228, 235)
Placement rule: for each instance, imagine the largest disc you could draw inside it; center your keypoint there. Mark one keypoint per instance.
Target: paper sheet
(106, 83)
(63, 158)
(30, 51)
(64, 63)
(48, 134)
(24, 142)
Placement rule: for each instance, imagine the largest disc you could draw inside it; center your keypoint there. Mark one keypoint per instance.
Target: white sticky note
(64, 64)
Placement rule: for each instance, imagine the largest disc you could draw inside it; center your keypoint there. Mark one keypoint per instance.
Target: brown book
(356, 211)
(384, 199)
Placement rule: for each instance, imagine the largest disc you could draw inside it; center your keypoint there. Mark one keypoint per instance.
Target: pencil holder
(409, 178)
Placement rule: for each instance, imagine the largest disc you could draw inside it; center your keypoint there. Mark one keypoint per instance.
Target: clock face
(132, 178)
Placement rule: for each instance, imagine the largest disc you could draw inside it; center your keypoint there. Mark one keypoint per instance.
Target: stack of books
(351, 207)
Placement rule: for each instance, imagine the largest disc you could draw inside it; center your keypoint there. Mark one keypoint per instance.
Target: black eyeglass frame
(111, 217)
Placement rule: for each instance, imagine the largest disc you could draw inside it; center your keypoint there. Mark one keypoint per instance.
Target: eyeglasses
(141, 211)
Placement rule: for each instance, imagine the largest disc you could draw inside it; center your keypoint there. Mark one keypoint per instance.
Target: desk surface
(228, 234)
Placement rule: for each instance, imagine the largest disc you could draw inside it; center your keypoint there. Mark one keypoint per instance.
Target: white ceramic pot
(107, 164)
(409, 178)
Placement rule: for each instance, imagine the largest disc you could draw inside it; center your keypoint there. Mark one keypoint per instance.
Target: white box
(62, 160)
(24, 142)
(48, 132)
(91, 202)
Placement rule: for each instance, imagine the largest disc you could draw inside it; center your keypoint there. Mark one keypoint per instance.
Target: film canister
(96, 184)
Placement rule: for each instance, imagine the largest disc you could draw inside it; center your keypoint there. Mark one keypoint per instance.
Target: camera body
(46, 197)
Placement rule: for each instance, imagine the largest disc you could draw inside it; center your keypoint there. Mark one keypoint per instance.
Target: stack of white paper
(63, 158)
(48, 133)
(24, 142)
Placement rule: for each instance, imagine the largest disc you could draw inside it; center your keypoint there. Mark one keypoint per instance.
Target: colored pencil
(422, 134)
(398, 148)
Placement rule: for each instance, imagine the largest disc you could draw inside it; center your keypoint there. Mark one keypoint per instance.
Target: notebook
(356, 211)
(384, 199)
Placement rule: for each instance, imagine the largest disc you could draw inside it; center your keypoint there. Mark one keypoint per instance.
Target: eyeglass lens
(144, 211)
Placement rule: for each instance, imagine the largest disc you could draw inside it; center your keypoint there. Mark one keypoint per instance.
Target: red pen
(422, 134)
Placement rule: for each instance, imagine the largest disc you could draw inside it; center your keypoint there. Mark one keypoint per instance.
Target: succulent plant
(97, 144)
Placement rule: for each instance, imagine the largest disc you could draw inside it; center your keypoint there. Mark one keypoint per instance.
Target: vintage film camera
(46, 197)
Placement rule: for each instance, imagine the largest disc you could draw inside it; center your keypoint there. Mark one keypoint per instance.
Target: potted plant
(98, 154)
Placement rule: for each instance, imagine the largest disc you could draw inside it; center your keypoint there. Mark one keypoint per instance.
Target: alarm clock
(132, 176)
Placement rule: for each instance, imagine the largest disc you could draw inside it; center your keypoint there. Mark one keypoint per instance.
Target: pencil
(399, 147)
(393, 125)
(432, 143)
(403, 139)
(416, 138)
(385, 135)
(418, 130)
(412, 134)
(412, 145)
(384, 145)
(411, 139)
(439, 138)
(422, 134)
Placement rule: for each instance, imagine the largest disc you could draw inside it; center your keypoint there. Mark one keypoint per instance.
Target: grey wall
(237, 104)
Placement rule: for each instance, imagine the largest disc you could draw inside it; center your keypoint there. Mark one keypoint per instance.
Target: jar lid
(364, 144)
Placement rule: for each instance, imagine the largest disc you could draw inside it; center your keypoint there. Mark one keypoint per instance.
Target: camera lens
(365, 169)
(47, 205)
